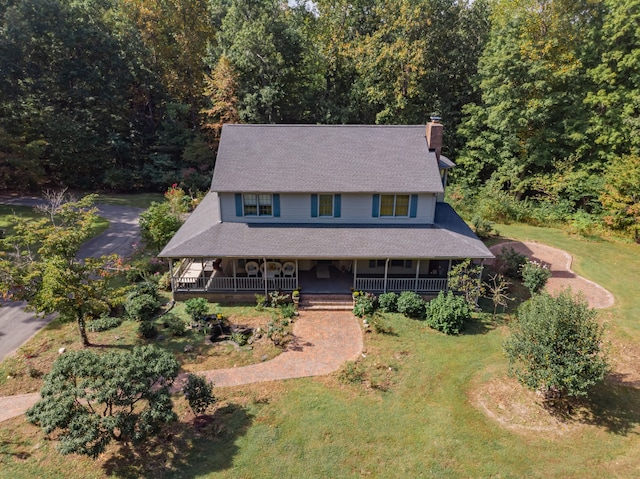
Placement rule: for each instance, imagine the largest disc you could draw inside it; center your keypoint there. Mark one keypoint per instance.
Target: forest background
(540, 98)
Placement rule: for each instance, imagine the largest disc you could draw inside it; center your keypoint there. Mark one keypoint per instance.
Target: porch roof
(449, 237)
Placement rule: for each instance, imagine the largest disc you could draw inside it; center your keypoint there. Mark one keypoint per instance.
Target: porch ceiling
(448, 238)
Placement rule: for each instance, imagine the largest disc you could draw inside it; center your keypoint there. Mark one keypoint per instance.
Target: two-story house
(324, 208)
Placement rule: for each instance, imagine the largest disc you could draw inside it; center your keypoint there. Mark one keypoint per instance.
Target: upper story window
(325, 205)
(394, 205)
(257, 205)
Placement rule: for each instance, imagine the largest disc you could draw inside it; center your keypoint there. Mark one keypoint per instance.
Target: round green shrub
(365, 305)
(104, 323)
(388, 302)
(447, 313)
(175, 324)
(411, 305)
(141, 307)
(197, 308)
(147, 329)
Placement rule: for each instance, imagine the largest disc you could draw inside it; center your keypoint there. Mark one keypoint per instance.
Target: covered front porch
(262, 275)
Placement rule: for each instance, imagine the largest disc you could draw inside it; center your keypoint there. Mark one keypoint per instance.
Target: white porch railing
(421, 285)
(226, 283)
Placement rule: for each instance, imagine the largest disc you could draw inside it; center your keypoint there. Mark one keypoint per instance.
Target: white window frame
(395, 204)
(257, 205)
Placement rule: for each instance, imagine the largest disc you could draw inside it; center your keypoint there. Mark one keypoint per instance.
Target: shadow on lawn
(185, 450)
(614, 407)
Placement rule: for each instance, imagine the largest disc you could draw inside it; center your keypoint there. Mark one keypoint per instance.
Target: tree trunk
(83, 332)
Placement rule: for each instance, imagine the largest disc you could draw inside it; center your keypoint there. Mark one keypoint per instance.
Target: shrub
(147, 329)
(277, 299)
(447, 313)
(483, 228)
(199, 392)
(261, 300)
(365, 305)
(141, 307)
(239, 338)
(464, 278)
(509, 262)
(197, 308)
(555, 346)
(288, 311)
(411, 305)
(164, 283)
(104, 323)
(145, 287)
(174, 324)
(534, 276)
(277, 332)
(388, 302)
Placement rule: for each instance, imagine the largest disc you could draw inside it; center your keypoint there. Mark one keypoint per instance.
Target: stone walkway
(322, 342)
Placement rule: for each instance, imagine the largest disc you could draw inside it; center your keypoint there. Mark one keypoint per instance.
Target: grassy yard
(420, 404)
(137, 200)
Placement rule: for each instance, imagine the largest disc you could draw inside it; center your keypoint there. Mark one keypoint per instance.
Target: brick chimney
(434, 135)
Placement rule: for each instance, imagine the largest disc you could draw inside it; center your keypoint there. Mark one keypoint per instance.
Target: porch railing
(421, 285)
(219, 283)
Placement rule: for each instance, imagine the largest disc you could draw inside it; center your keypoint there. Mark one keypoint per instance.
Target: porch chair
(288, 269)
(252, 269)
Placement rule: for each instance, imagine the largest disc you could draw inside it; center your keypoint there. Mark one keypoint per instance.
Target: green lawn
(413, 416)
(137, 200)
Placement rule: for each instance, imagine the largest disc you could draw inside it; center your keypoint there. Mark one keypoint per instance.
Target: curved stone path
(559, 261)
(322, 342)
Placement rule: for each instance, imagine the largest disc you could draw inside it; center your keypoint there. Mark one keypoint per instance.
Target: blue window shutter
(337, 200)
(413, 207)
(314, 206)
(238, 204)
(276, 205)
(375, 211)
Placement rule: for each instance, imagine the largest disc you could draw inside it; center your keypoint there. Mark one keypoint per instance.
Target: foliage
(277, 332)
(465, 278)
(141, 307)
(197, 308)
(175, 324)
(447, 313)
(43, 267)
(388, 302)
(351, 372)
(104, 323)
(93, 399)
(482, 227)
(145, 287)
(147, 329)
(158, 225)
(509, 262)
(411, 305)
(621, 195)
(261, 301)
(199, 393)
(555, 346)
(277, 299)
(288, 310)
(365, 304)
(239, 338)
(535, 276)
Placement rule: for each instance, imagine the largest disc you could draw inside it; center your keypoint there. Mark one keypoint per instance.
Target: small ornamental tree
(465, 278)
(93, 399)
(555, 346)
(534, 276)
(199, 393)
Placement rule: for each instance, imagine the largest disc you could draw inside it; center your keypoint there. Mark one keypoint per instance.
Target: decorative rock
(264, 357)
(61, 350)
(188, 348)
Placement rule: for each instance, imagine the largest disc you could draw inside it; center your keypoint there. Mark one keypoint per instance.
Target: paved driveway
(16, 325)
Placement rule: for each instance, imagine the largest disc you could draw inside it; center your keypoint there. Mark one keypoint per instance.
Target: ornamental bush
(534, 276)
(141, 307)
(365, 304)
(147, 329)
(197, 308)
(199, 393)
(555, 346)
(388, 302)
(509, 262)
(104, 323)
(448, 313)
(411, 305)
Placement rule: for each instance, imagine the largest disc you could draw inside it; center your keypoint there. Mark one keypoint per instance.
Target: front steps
(325, 302)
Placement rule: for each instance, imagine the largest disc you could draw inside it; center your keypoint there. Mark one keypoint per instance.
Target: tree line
(539, 97)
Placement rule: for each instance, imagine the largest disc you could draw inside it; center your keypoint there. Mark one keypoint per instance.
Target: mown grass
(413, 414)
(136, 200)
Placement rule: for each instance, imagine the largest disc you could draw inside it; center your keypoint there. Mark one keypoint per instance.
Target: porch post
(171, 276)
(297, 274)
(448, 271)
(417, 275)
(386, 268)
(235, 280)
(264, 277)
(355, 272)
(480, 278)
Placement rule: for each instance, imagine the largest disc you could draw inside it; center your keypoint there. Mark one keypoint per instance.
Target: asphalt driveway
(16, 325)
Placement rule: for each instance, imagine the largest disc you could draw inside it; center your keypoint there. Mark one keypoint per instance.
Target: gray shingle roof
(449, 237)
(325, 158)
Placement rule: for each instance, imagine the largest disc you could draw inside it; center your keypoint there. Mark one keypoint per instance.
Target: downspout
(264, 276)
(480, 280)
(447, 282)
(417, 275)
(297, 274)
(172, 279)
